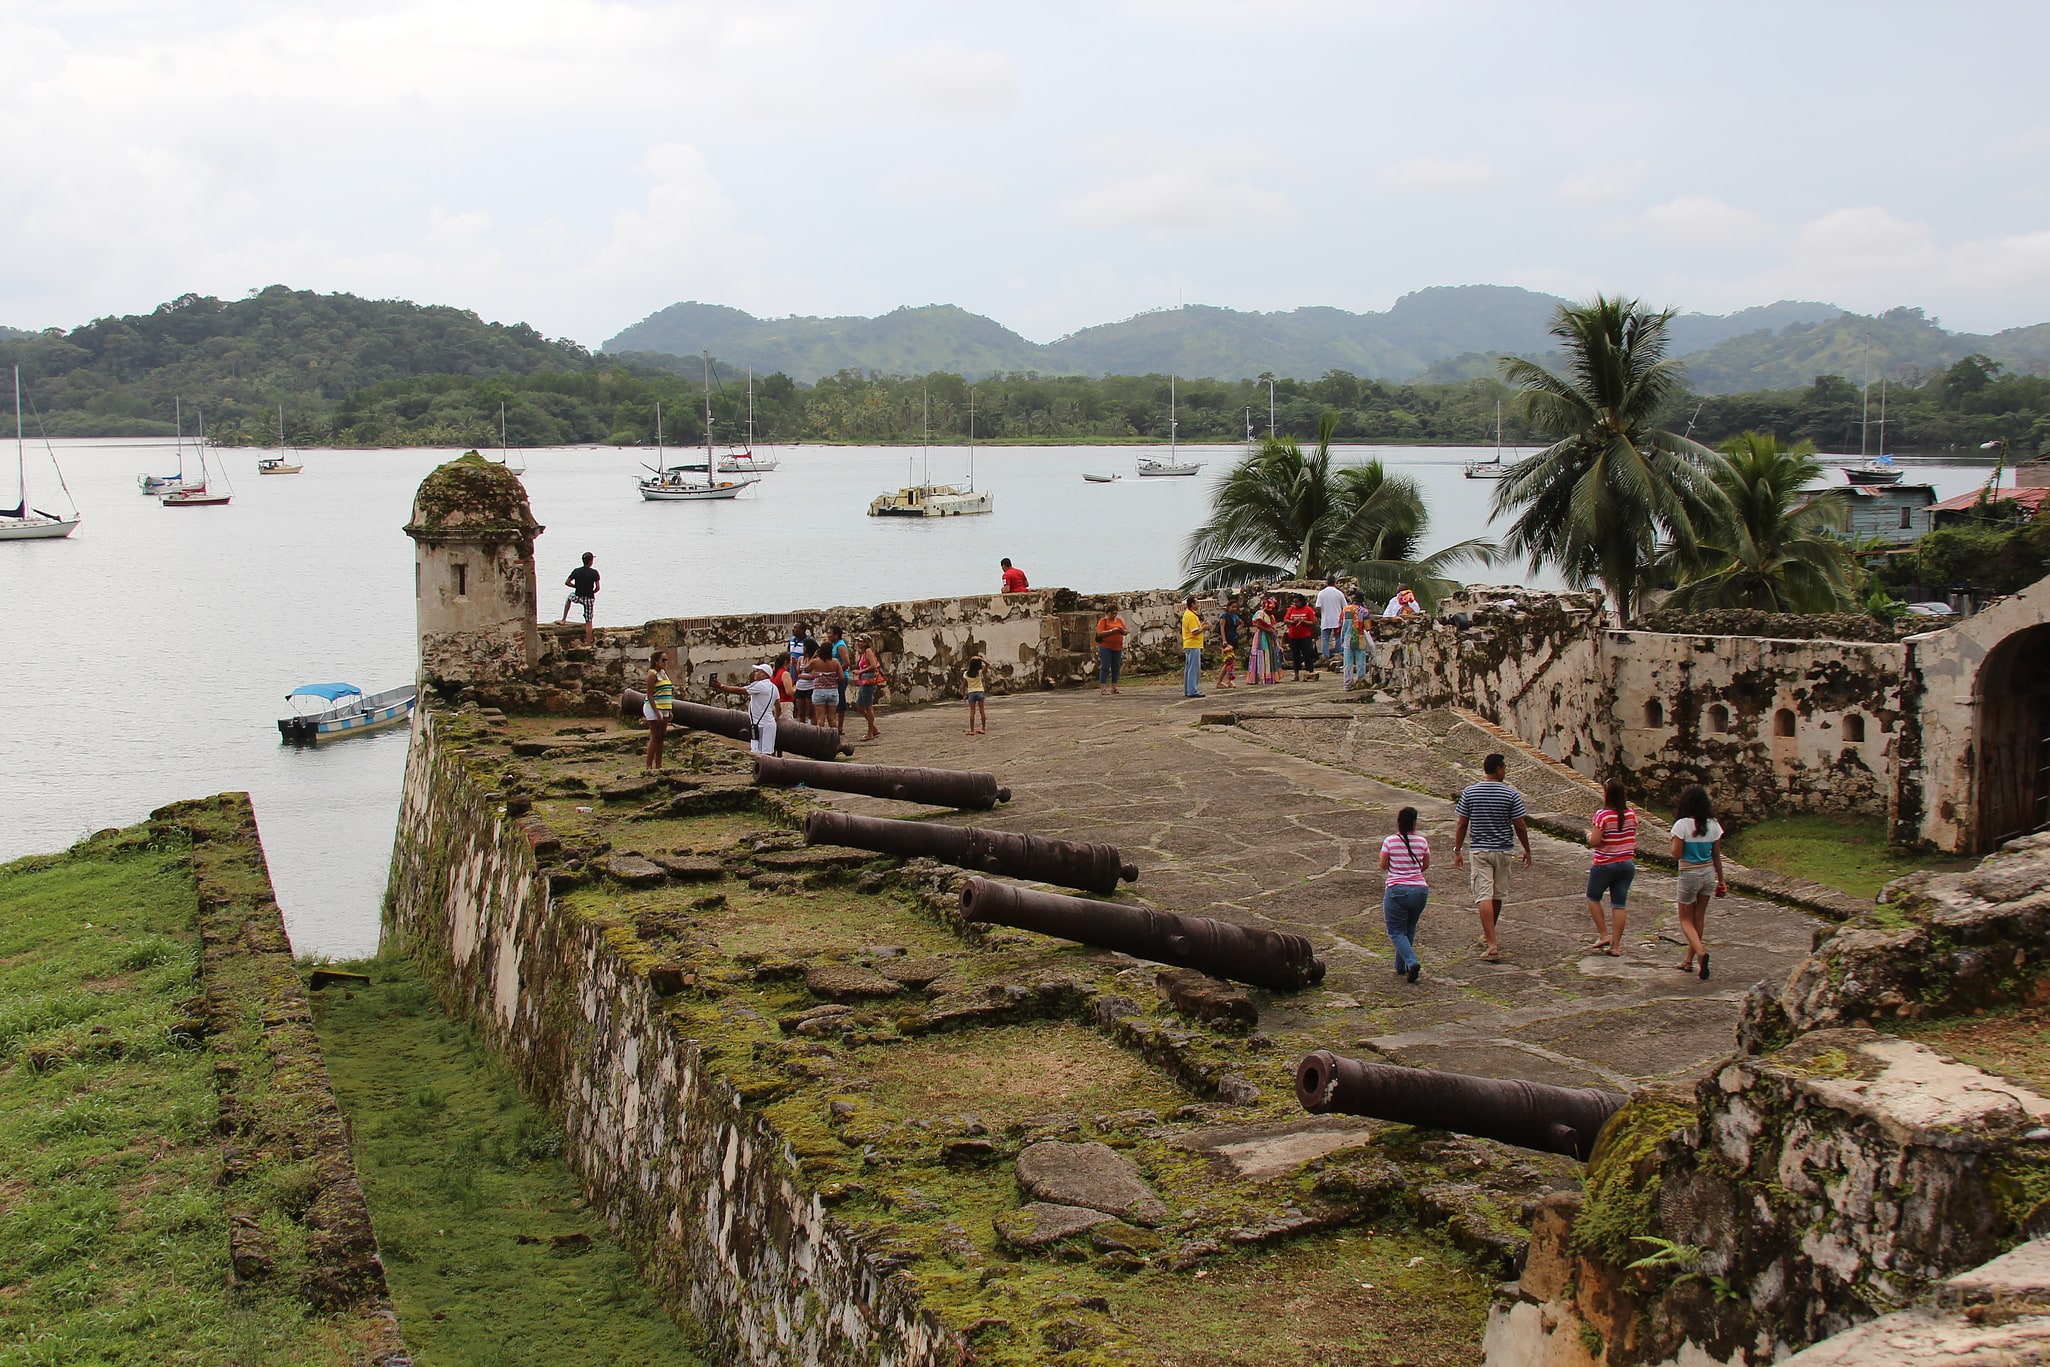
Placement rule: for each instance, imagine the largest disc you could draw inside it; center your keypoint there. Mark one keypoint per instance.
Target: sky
(578, 165)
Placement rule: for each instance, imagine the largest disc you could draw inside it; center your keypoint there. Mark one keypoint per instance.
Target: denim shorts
(864, 695)
(825, 697)
(1612, 878)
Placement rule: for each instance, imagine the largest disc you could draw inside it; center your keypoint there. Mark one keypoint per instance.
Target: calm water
(146, 658)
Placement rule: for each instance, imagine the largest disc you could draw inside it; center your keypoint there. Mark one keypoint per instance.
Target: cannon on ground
(937, 787)
(1071, 863)
(1531, 1115)
(814, 742)
(1247, 954)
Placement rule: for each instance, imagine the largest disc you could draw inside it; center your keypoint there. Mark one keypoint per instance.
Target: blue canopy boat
(340, 709)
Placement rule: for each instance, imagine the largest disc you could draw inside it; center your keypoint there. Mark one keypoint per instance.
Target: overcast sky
(578, 164)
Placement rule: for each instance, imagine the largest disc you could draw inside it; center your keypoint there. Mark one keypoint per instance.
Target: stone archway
(2012, 697)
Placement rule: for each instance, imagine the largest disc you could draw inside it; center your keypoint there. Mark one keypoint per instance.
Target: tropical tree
(1778, 547)
(1613, 489)
(1284, 512)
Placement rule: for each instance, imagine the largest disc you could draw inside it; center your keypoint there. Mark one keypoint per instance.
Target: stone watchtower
(473, 573)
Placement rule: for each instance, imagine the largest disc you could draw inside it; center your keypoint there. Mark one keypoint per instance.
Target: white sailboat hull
(37, 528)
(657, 492)
(1154, 469)
(739, 465)
(1489, 469)
(932, 500)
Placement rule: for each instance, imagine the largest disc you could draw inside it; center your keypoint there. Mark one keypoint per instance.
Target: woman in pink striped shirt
(1612, 835)
(1404, 858)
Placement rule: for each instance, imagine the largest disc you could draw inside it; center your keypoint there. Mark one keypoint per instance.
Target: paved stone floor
(1277, 820)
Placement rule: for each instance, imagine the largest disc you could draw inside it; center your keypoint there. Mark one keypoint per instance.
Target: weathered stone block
(1039, 1223)
(1092, 1175)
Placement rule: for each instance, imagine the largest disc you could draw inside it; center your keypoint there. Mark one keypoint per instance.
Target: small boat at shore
(332, 710)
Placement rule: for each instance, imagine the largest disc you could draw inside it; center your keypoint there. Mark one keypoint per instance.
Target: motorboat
(927, 499)
(1150, 468)
(331, 710)
(675, 483)
(1101, 479)
(1877, 471)
(23, 522)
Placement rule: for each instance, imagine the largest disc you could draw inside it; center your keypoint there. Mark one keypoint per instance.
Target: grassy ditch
(1850, 854)
(492, 1256)
(113, 1234)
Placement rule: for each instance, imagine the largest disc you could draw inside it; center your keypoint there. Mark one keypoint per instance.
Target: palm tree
(1286, 513)
(1612, 487)
(1775, 551)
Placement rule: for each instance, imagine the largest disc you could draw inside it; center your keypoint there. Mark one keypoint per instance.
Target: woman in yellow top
(1192, 650)
(661, 696)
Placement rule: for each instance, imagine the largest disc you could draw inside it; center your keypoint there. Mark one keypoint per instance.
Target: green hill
(1900, 344)
(239, 360)
(908, 341)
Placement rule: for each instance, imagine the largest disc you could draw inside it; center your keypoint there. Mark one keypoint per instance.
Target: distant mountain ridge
(1420, 330)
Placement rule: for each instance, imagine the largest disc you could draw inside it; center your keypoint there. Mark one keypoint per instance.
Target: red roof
(2030, 501)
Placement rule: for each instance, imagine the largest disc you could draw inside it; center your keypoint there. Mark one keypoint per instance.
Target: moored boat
(1101, 479)
(156, 485)
(1150, 468)
(23, 522)
(926, 499)
(674, 483)
(332, 710)
(280, 464)
(1496, 468)
(1879, 470)
(202, 494)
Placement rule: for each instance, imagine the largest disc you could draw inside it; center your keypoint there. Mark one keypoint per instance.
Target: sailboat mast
(178, 421)
(1882, 415)
(503, 450)
(20, 458)
(750, 410)
(1270, 410)
(708, 419)
(925, 444)
(658, 435)
(971, 441)
(1170, 421)
(281, 426)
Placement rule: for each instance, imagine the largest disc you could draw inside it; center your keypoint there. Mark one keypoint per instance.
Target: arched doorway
(2013, 740)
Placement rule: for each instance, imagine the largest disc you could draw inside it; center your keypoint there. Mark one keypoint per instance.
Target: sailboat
(198, 495)
(1492, 469)
(1150, 468)
(746, 461)
(157, 484)
(278, 464)
(21, 522)
(1880, 469)
(926, 499)
(516, 464)
(674, 485)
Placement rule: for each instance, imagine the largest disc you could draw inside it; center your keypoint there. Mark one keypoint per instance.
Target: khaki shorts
(1487, 873)
(1696, 882)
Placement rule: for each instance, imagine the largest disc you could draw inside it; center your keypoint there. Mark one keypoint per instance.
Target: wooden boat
(1149, 468)
(279, 464)
(672, 484)
(926, 499)
(23, 522)
(333, 710)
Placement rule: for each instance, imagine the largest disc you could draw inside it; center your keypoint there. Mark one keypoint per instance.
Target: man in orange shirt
(1110, 648)
(1014, 578)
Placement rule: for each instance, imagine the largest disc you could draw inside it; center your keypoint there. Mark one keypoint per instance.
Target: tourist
(868, 680)
(1266, 663)
(1698, 846)
(1300, 622)
(1356, 641)
(1110, 649)
(827, 675)
(786, 683)
(975, 678)
(1493, 812)
(764, 705)
(800, 667)
(1227, 667)
(583, 593)
(844, 653)
(1228, 622)
(658, 697)
(1014, 578)
(799, 634)
(1405, 856)
(1403, 604)
(1612, 835)
(1331, 605)
(1192, 650)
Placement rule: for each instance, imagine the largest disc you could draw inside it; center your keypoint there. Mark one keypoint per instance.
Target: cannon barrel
(814, 742)
(938, 787)
(1265, 958)
(1531, 1115)
(1071, 863)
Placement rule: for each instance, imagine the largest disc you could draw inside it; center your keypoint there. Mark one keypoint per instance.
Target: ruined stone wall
(710, 1200)
(1041, 639)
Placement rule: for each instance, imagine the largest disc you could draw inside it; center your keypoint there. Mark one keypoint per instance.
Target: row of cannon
(1564, 1120)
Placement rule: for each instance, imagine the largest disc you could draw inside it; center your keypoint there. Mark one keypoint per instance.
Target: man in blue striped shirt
(1493, 812)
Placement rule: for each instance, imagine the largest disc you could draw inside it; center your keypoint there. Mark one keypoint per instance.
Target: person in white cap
(764, 706)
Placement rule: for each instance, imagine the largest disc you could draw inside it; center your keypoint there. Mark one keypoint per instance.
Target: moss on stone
(1622, 1181)
(472, 495)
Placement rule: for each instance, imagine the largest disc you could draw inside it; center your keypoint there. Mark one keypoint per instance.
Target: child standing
(977, 675)
(1227, 670)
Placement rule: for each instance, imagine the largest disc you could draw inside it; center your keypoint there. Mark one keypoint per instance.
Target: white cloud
(1700, 221)
(1435, 176)
(1208, 191)
(1600, 186)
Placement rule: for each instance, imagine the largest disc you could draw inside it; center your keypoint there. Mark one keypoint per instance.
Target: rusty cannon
(813, 742)
(1247, 954)
(1071, 863)
(936, 787)
(1531, 1115)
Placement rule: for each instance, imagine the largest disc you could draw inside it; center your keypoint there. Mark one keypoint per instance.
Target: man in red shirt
(1014, 578)
(1301, 624)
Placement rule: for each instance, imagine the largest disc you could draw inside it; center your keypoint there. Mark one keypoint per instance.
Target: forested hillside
(238, 360)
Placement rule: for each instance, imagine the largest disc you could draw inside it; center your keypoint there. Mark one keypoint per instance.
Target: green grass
(113, 1237)
(458, 1167)
(1847, 853)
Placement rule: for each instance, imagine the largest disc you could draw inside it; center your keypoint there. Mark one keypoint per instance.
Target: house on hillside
(2027, 501)
(1898, 513)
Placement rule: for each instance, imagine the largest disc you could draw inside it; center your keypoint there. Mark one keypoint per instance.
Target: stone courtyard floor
(1277, 821)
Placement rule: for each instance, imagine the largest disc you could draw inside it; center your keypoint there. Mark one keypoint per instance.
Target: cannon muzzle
(1040, 858)
(936, 787)
(814, 742)
(1265, 958)
(1531, 1115)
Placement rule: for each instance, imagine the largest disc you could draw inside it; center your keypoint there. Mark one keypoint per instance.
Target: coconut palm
(1778, 549)
(1286, 513)
(1612, 489)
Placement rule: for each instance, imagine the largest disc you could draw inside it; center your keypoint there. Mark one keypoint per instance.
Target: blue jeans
(1192, 672)
(1614, 879)
(1357, 658)
(1402, 906)
(1327, 641)
(1108, 663)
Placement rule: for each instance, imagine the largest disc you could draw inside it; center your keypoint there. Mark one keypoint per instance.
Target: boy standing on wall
(583, 592)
